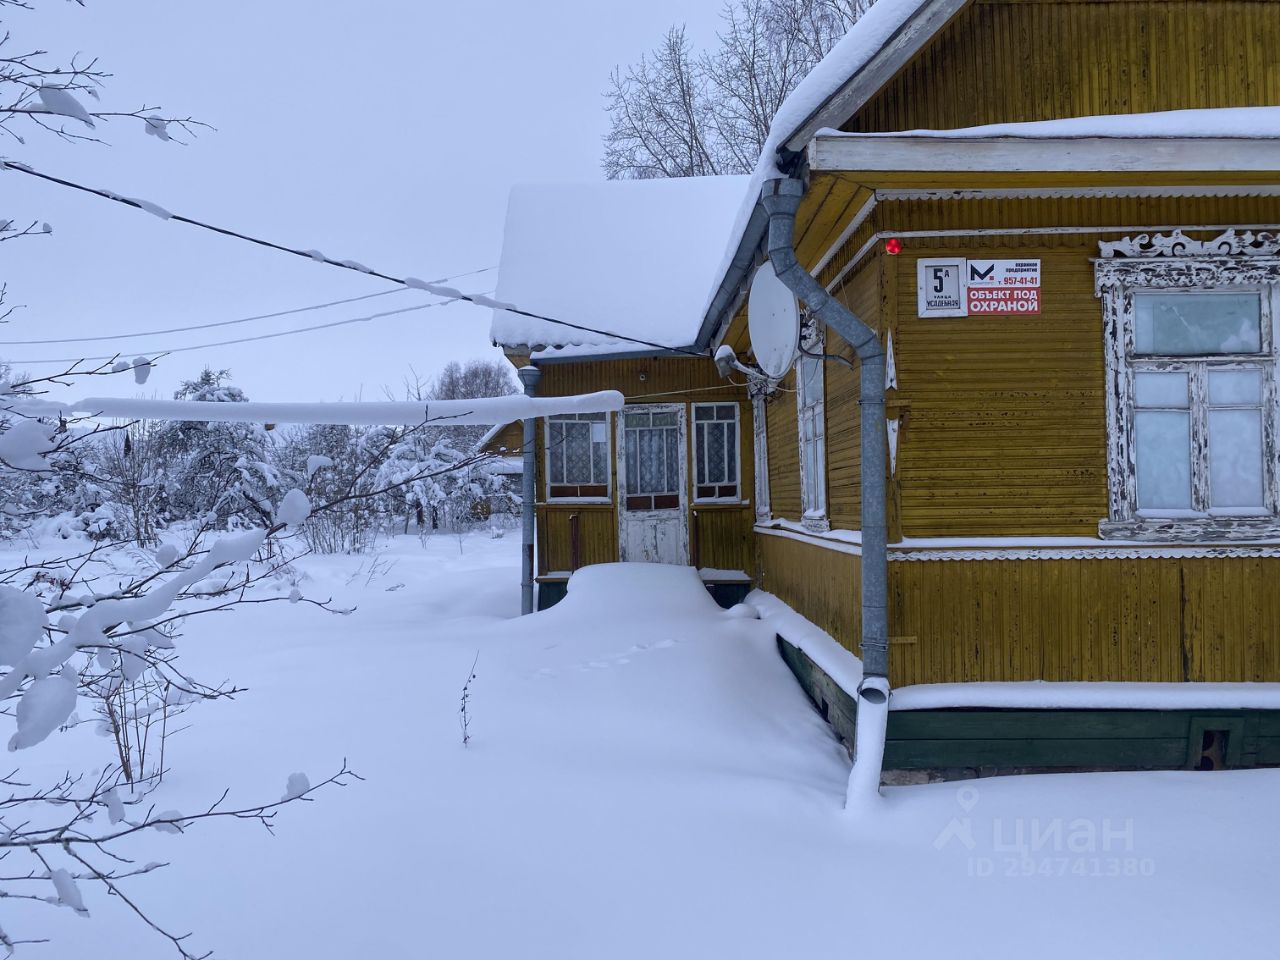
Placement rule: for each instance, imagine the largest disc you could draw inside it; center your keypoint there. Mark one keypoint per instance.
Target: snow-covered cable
(228, 323)
(477, 299)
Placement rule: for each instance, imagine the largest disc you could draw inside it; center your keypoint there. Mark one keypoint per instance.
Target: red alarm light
(893, 246)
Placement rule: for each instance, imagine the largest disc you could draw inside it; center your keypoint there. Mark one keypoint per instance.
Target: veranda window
(1192, 401)
(716, 451)
(578, 456)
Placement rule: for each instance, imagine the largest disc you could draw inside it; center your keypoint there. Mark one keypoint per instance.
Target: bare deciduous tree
(675, 114)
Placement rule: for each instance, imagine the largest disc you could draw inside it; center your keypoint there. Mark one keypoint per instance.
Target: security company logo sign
(957, 287)
(1003, 286)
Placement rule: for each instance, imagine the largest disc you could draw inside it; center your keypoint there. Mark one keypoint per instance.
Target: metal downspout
(781, 199)
(529, 377)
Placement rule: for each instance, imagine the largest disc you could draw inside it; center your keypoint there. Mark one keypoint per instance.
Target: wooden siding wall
(597, 535)
(1004, 61)
(861, 294)
(1007, 433)
(646, 379)
(508, 440)
(1211, 619)
(1145, 620)
(820, 584)
(783, 437)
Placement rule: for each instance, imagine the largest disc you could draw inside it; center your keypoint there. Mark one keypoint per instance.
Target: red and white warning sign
(1003, 286)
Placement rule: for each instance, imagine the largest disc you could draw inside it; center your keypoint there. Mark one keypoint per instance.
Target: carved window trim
(811, 420)
(1176, 263)
(758, 391)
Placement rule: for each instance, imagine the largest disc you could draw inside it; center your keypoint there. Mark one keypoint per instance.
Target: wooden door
(653, 516)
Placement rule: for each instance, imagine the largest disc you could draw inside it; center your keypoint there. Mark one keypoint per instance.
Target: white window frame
(1177, 264)
(549, 450)
(811, 420)
(757, 390)
(736, 428)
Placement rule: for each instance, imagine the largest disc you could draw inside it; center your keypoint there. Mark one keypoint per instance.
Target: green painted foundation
(983, 741)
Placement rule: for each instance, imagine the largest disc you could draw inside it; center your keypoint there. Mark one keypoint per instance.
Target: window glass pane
(664, 419)
(1235, 458)
(588, 416)
(556, 453)
(1235, 387)
(726, 411)
(1161, 389)
(700, 446)
(731, 454)
(704, 413)
(1164, 460)
(1189, 324)
(637, 419)
(600, 462)
(577, 453)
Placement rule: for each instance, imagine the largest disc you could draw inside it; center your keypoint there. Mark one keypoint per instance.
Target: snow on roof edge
(872, 32)
(1227, 123)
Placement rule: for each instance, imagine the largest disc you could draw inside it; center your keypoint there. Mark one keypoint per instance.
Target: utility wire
(321, 258)
(229, 323)
(253, 339)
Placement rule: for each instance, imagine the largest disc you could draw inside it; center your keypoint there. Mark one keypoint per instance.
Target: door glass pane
(1161, 389)
(1190, 324)
(650, 460)
(633, 462)
(1235, 387)
(671, 461)
(1235, 458)
(1164, 460)
(600, 461)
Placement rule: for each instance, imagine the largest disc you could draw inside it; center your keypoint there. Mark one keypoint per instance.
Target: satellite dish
(773, 321)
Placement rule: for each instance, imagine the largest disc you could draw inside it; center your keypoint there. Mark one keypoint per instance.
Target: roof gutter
(780, 199)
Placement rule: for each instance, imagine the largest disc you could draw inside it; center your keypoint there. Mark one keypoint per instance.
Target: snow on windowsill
(1046, 695)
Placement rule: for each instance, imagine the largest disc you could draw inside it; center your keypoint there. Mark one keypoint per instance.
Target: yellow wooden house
(1060, 220)
(1059, 223)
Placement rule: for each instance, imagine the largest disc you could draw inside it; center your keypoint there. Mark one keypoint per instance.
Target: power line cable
(228, 323)
(478, 300)
(253, 339)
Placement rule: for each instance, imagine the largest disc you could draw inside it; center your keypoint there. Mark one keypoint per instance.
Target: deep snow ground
(644, 780)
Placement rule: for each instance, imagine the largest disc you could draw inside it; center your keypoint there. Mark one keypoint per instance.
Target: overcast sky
(383, 131)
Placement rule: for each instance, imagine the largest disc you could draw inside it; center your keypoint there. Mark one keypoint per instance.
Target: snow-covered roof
(1227, 123)
(631, 257)
(896, 27)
